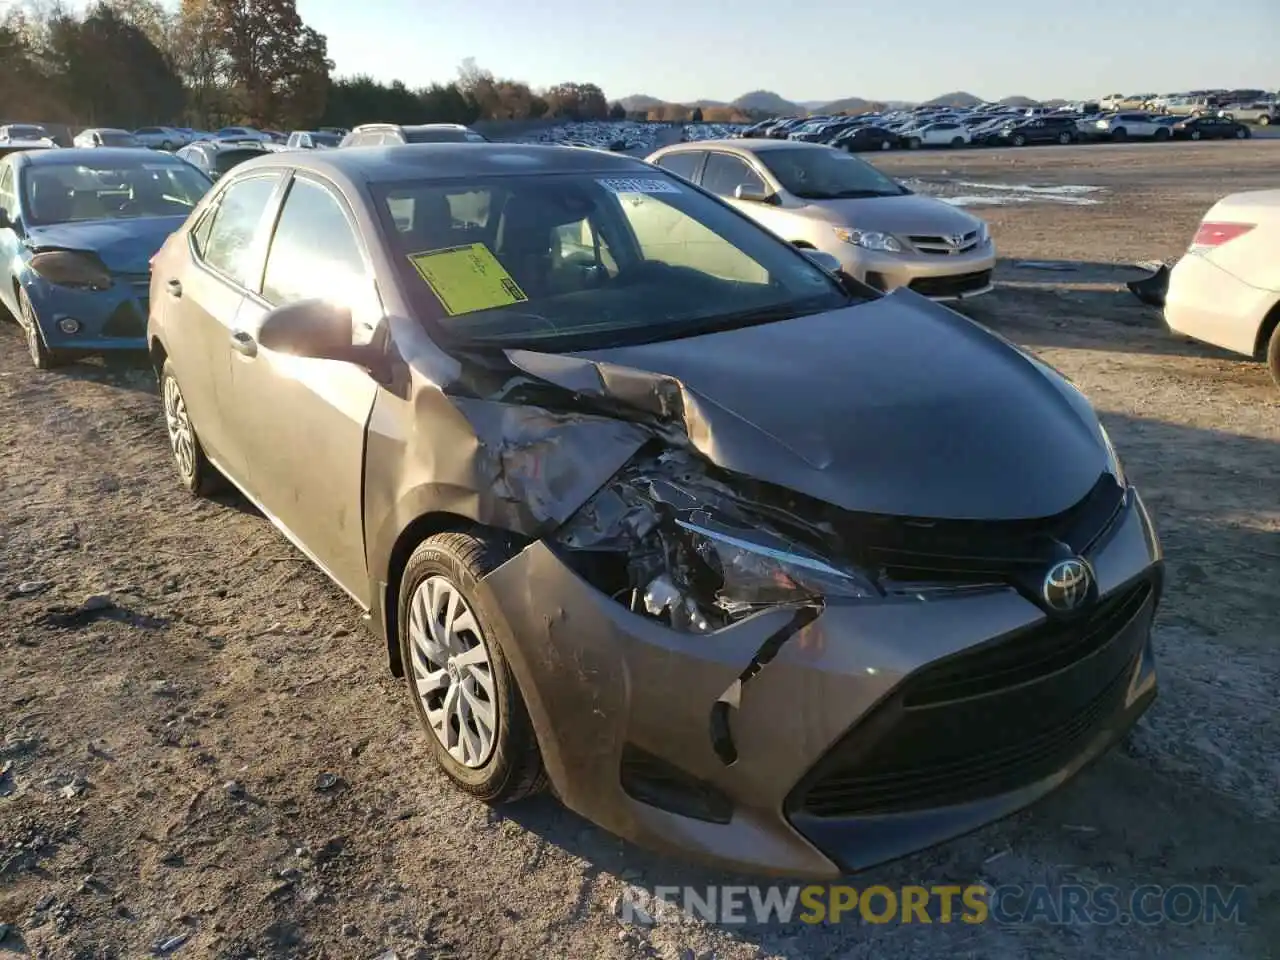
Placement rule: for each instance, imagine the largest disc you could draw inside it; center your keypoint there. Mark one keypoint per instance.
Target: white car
(1226, 288)
(941, 133)
(1122, 126)
(161, 138)
(33, 132)
(105, 137)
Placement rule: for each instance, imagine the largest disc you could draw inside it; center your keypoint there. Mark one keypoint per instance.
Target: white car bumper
(1208, 304)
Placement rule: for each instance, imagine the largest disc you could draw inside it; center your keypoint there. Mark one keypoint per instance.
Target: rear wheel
(197, 474)
(41, 356)
(1242, 133)
(1273, 355)
(1264, 121)
(957, 141)
(885, 144)
(1064, 138)
(1162, 134)
(1119, 134)
(913, 143)
(1195, 134)
(464, 693)
(1019, 140)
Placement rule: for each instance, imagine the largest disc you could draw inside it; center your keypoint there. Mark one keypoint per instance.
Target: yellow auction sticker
(467, 278)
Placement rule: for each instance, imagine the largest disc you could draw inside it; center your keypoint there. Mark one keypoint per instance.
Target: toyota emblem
(1067, 585)
(955, 239)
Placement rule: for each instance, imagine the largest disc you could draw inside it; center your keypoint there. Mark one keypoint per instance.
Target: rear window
(442, 135)
(224, 160)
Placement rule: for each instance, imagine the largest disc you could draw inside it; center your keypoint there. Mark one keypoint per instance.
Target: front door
(301, 421)
(8, 236)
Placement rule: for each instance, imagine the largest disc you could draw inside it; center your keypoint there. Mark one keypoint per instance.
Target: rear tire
(1064, 138)
(509, 767)
(1273, 355)
(1162, 134)
(1195, 134)
(957, 141)
(1242, 133)
(1119, 135)
(1264, 121)
(913, 143)
(198, 475)
(885, 145)
(1019, 140)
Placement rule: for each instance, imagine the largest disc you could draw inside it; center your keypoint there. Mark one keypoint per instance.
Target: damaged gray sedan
(748, 561)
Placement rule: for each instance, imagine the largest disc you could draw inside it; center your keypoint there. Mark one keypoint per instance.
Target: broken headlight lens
(756, 568)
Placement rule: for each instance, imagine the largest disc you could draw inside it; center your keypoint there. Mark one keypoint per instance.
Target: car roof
(439, 161)
(97, 155)
(745, 146)
(410, 126)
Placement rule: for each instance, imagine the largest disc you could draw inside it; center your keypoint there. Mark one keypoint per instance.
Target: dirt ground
(209, 759)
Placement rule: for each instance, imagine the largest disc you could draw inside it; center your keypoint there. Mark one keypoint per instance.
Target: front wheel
(1264, 121)
(1064, 138)
(166, 146)
(1119, 134)
(913, 143)
(41, 356)
(885, 145)
(1162, 134)
(1242, 133)
(957, 141)
(464, 693)
(1195, 134)
(1019, 140)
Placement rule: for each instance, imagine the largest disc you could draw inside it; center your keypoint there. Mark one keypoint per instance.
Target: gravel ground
(204, 756)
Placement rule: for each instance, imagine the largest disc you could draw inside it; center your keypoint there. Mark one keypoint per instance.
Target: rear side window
(682, 164)
(229, 245)
(314, 252)
(437, 135)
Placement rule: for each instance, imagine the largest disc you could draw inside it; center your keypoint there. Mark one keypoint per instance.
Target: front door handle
(174, 287)
(244, 343)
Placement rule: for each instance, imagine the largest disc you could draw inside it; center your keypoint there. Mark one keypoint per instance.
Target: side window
(229, 243)
(723, 173)
(314, 252)
(8, 195)
(682, 164)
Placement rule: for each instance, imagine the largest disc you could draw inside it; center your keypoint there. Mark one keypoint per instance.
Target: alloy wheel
(452, 672)
(181, 438)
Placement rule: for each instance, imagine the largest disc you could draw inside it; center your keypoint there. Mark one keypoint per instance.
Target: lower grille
(952, 286)
(986, 722)
(125, 321)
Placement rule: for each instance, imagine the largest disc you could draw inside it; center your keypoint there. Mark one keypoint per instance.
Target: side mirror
(753, 194)
(311, 328)
(824, 260)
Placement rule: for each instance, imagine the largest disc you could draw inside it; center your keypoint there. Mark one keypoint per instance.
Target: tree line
(213, 63)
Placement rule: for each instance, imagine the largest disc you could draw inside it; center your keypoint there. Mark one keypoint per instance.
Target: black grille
(952, 286)
(973, 551)
(125, 321)
(985, 722)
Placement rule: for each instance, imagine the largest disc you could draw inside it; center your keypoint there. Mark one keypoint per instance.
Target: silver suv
(1122, 126)
(389, 134)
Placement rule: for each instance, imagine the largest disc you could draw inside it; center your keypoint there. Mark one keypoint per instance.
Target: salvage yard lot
(213, 751)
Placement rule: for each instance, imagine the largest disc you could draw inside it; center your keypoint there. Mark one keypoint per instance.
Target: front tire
(1119, 135)
(198, 475)
(1064, 138)
(913, 143)
(957, 141)
(1242, 133)
(1195, 134)
(885, 145)
(463, 691)
(1264, 121)
(1019, 140)
(42, 358)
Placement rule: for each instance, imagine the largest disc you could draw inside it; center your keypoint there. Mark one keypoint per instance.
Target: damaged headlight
(692, 554)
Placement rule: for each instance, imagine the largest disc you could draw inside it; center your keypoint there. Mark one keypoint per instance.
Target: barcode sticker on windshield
(638, 185)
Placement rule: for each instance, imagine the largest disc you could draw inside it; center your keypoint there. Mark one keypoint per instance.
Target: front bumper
(937, 276)
(111, 319)
(851, 747)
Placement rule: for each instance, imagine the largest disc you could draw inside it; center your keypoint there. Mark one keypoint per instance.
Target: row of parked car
(949, 127)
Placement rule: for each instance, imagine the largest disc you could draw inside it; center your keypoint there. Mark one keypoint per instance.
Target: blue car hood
(124, 246)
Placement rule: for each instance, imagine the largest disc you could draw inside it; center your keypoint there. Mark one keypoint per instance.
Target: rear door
(8, 236)
(200, 290)
(301, 421)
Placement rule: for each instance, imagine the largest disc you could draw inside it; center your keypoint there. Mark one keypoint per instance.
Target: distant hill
(1019, 102)
(848, 105)
(957, 99)
(707, 104)
(766, 101)
(639, 102)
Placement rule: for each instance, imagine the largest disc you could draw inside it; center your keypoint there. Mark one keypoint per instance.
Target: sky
(682, 50)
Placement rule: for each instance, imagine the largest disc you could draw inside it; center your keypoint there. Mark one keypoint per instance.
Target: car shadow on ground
(124, 371)
(1154, 810)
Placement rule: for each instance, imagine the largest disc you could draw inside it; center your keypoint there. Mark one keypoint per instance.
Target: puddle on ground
(968, 193)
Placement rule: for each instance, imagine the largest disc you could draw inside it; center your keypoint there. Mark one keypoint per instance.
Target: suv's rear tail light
(1213, 234)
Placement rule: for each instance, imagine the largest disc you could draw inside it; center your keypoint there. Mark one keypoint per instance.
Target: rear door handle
(244, 343)
(174, 287)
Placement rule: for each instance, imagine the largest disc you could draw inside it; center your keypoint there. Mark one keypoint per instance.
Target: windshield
(326, 139)
(224, 160)
(70, 192)
(117, 138)
(21, 131)
(578, 261)
(441, 135)
(827, 175)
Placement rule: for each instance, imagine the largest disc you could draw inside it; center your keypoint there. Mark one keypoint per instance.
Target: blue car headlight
(71, 268)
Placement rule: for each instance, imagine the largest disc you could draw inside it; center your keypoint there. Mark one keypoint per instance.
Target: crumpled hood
(909, 214)
(897, 406)
(125, 246)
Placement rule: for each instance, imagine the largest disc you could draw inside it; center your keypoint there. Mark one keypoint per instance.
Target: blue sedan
(78, 229)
